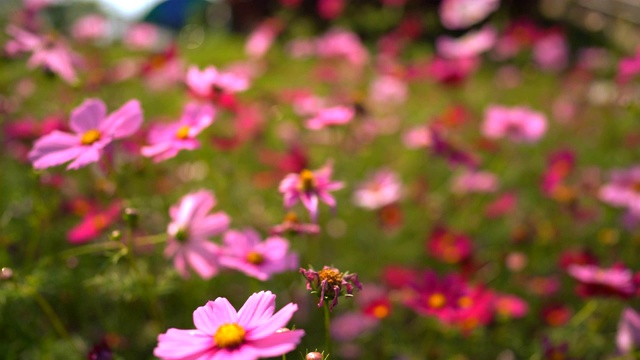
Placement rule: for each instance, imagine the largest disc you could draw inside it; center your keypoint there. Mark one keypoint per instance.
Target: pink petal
(124, 121)
(210, 226)
(202, 259)
(54, 149)
(277, 321)
(215, 313)
(88, 156)
(257, 309)
(179, 344)
(87, 116)
(277, 344)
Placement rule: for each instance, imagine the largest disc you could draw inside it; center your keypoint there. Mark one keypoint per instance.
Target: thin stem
(327, 328)
(51, 315)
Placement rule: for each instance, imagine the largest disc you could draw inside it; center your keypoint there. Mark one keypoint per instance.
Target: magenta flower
(244, 251)
(221, 333)
(339, 43)
(628, 68)
(47, 52)
(438, 297)
(166, 141)
(337, 115)
(471, 44)
(141, 36)
(450, 247)
(461, 14)
(551, 51)
(93, 224)
(623, 190)
(93, 131)
(381, 189)
(309, 187)
(189, 231)
(518, 124)
(628, 336)
(210, 82)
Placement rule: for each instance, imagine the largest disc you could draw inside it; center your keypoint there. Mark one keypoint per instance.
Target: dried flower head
(329, 283)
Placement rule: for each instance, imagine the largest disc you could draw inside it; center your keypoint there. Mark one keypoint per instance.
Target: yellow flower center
(437, 300)
(90, 137)
(100, 222)
(307, 180)
(229, 336)
(183, 132)
(255, 258)
(333, 276)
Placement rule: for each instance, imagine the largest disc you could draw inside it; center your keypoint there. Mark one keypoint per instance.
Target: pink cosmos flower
(623, 190)
(90, 27)
(628, 68)
(244, 251)
(596, 281)
(46, 52)
(93, 131)
(141, 36)
(210, 82)
(93, 224)
(221, 333)
(471, 44)
(475, 182)
(337, 115)
(190, 228)
(461, 14)
(628, 336)
(261, 39)
(551, 52)
(309, 187)
(388, 90)
(338, 43)
(291, 224)
(438, 297)
(518, 124)
(381, 189)
(169, 139)
(417, 137)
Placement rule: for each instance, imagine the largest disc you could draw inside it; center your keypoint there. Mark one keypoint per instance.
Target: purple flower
(309, 187)
(93, 130)
(167, 140)
(244, 251)
(189, 233)
(628, 336)
(329, 284)
(47, 52)
(221, 333)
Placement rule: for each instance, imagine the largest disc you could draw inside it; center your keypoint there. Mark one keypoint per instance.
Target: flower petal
(182, 344)
(87, 116)
(277, 344)
(257, 309)
(277, 321)
(124, 121)
(215, 313)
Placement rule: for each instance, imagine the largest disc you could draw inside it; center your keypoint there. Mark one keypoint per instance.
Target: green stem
(51, 315)
(589, 308)
(327, 328)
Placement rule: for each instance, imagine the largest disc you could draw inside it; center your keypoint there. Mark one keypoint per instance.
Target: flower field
(365, 180)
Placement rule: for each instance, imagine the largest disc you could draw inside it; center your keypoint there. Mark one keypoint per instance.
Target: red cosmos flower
(448, 246)
(436, 296)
